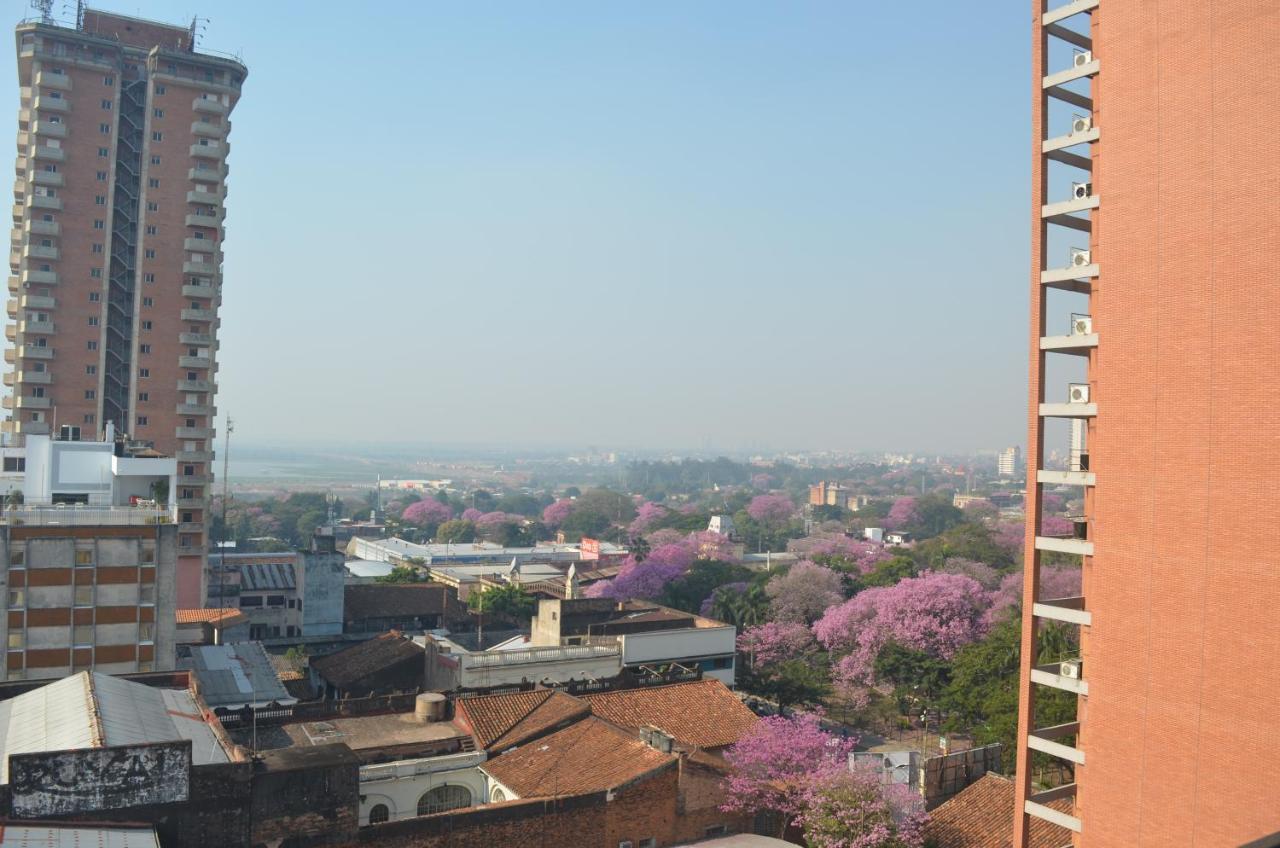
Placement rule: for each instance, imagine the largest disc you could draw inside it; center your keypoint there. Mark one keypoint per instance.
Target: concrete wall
(58, 783)
(321, 581)
(675, 645)
(535, 672)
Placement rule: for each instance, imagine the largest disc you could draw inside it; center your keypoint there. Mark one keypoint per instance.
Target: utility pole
(226, 490)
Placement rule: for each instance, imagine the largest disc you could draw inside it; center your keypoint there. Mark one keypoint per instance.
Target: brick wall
(310, 795)
(1181, 656)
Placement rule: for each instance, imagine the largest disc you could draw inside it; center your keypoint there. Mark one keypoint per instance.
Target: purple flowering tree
(761, 481)
(778, 760)
(647, 514)
(1055, 582)
(646, 579)
(987, 576)
(935, 613)
(708, 545)
(803, 592)
(840, 551)
(1056, 525)
(771, 509)
(489, 520)
(852, 809)
(901, 514)
(776, 642)
(428, 511)
(555, 514)
(471, 514)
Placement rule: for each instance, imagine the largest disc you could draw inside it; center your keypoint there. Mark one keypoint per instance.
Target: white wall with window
(406, 789)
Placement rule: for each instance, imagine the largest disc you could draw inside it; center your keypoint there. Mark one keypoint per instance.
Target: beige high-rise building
(118, 214)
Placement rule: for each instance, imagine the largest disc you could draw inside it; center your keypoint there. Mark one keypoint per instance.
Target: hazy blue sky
(662, 224)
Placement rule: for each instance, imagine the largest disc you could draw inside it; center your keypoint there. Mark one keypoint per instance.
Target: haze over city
(724, 226)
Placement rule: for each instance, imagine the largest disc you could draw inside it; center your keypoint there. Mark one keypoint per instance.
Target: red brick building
(117, 253)
(1156, 233)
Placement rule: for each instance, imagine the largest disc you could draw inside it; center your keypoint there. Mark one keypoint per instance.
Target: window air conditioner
(1078, 393)
(1081, 124)
(1072, 669)
(1080, 257)
(1082, 58)
(1081, 325)
(1079, 191)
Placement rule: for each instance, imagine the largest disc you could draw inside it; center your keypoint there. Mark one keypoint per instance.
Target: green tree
(306, 526)
(982, 697)
(403, 574)
(456, 530)
(790, 683)
(968, 540)
(509, 602)
(703, 578)
(741, 609)
(914, 674)
(581, 523)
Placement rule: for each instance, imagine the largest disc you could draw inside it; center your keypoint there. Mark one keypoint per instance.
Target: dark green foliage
(703, 578)
(967, 541)
(800, 682)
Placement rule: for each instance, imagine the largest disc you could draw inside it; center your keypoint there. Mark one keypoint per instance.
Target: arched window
(497, 796)
(444, 798)
(379, 813)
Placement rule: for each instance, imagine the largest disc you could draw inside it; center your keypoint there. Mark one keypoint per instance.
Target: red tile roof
(589, 756)
(981, 816)
(702, 714)
(224, 617)
(500, 721)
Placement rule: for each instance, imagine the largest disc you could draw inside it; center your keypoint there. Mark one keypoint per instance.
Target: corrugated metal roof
(93, 710)
(236, 675)
(76, 836)
(265, 576)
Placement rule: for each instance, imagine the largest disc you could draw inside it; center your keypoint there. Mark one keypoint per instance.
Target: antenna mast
(45, 8)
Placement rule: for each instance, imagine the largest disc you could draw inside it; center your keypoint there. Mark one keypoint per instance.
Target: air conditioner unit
(1082, 58)
(1081, 325)
(1078, 393)
(1080, 191)
(1080, 257)
(1081, 124)
(1072, 669)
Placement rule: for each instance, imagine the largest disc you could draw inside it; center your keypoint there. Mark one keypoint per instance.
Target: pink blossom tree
(665, 536)
(803, 592)
(776, 642)
(901, 514)
(777, 760)
(708, 545)
(648, 578)
(853, 809)
(1056, 525)
(489, 520)
(771, 509)
(987, 576)
(761, 481)
(555, 514)
(647, 514)
(1055, 582)
(428, 511)
(934, 613)
(839, 551)
(471, 514)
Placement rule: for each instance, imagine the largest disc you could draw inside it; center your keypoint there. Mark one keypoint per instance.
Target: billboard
(589, 549)
(62, 782)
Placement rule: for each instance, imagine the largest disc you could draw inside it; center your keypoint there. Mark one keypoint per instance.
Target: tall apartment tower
(1155, 240)
(117, 246)
(1008, 460)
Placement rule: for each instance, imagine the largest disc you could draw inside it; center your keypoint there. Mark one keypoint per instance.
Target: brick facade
(1180, 658)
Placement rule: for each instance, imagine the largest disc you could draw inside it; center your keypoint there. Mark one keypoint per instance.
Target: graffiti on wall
(62, 782)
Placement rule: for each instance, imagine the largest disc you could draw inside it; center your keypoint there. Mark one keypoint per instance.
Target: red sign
(589, 549)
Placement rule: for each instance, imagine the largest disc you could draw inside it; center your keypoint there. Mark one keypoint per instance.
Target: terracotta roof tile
(981, 816)
(588, 756)
(500, 721)
(365, 658)
(702, 714)
(225, 616)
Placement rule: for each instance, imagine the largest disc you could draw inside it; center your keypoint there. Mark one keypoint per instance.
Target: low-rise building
(647, 634)
(207, 626)
(412, 763)
(390, 662)
(237, 680)
(88, 556)
(409, 607)
(450, 666)
(284, 593)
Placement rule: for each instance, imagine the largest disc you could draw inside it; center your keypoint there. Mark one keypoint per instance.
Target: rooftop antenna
(80, 15)
(197, 28)
(45, 8)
